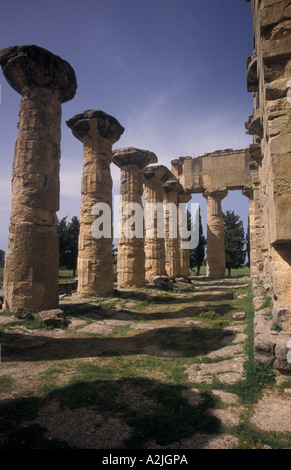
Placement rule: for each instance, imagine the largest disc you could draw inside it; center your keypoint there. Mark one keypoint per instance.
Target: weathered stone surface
(271, 232)
(98, 131)
(131, 255)
(54, 318)
(172, 189)
(133, 156)
(228, 371)
(31, 66)
(95, 121)
(239, 316)
(215, 235)
(272, 414)
(23, 314)
(44, 81)
(223, 169)
(154, 176)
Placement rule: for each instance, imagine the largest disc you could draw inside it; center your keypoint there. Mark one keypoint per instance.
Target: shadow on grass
(181, 342)
(150, 410)
(96, 312)
(217, 294)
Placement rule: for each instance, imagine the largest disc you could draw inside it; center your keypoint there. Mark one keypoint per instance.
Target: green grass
(240, 272)
(258, 376)
(66, 275)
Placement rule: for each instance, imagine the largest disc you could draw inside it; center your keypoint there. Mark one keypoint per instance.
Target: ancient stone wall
(269, 79)
(213, 175)
(217, 171)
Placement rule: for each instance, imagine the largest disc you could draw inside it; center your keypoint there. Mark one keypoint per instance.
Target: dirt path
(151, 369)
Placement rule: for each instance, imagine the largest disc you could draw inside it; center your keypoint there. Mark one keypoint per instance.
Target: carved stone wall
(269, 79)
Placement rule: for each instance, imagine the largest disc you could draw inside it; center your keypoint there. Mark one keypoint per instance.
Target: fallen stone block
(54, 318)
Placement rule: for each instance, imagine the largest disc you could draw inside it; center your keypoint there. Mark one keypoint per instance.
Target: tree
(68, 243)
(248, 244)
(234, 240)
(198, 254)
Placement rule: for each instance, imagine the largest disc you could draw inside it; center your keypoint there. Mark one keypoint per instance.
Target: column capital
(184, 197)
(248, 192)
(160, 172)
(217, 194)
(133, 156)
(172, 184)
(28, 67)
(92, 123)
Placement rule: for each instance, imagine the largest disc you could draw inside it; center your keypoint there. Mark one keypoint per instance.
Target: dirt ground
(38, 367)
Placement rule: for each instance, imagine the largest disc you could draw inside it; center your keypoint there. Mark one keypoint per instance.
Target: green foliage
(68, 243)
(234, 240)
(197, 256)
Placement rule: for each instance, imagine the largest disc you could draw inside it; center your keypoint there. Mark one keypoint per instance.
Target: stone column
(215, 234)
(155, 257)
(45, 81)
(183, 198)
(249, 193)
(98, 131)
(172, 188)
(131, 257)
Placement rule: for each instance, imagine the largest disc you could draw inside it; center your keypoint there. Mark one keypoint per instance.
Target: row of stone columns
(131, 254)
(45, 81)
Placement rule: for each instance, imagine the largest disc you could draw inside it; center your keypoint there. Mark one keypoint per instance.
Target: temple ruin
(262, 172)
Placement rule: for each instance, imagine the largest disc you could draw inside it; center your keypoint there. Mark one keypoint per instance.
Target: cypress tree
(234, 240)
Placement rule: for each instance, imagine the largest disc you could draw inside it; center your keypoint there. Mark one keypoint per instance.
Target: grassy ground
(117, 377)
(244, 271)
(67, 274)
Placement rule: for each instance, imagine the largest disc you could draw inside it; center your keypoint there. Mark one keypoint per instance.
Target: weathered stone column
(249, 193)
(45, 81)
(183, 198)
(131, 256)
(172, 188)
(155, 257)
(215, 234)
(98, 131)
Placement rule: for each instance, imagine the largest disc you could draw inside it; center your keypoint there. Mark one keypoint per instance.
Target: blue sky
(171, 71)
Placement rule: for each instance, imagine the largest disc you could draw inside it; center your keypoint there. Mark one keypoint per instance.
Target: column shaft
(131, 257)
(155, 255)
(172, 241)
(215, 235)
(98, 131)
(95, 263)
